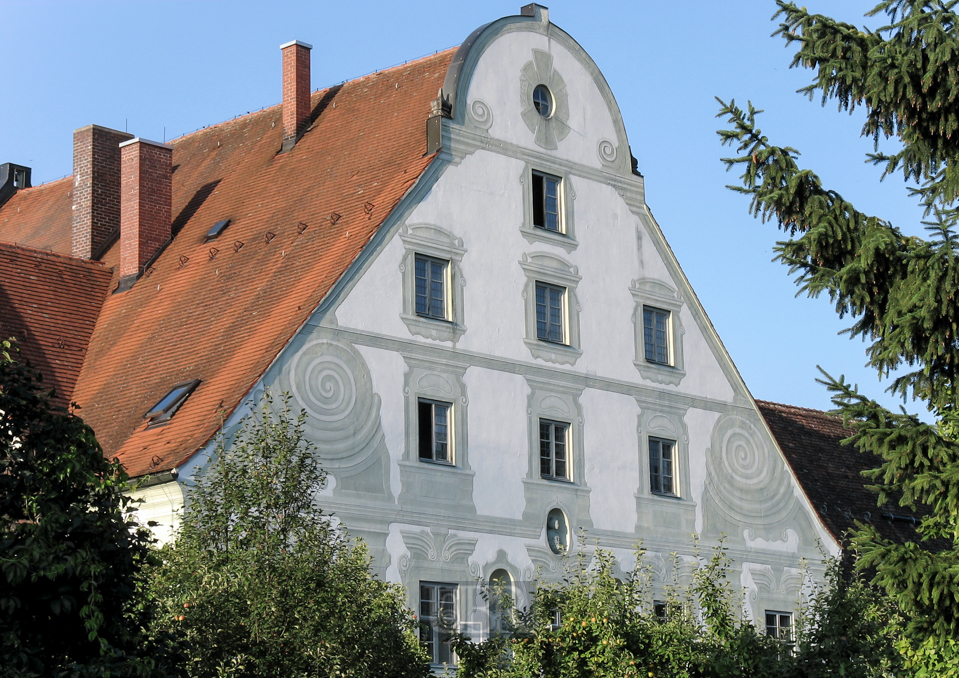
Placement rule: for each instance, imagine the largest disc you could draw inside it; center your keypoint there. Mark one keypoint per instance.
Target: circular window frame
(550, 101)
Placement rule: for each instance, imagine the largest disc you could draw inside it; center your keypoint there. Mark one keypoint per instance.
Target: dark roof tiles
(50, 303)
(830, 472)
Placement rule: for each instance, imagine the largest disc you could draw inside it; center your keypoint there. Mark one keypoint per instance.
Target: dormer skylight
(217, 229)
(164, 410)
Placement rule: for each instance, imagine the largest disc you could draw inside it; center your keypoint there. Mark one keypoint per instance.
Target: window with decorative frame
(662, 467)
(432, 282)
(658, 332)
(552, 308)
(553, 450)
(779, 625)
(433, 431)
(548, 208)
(438, 621)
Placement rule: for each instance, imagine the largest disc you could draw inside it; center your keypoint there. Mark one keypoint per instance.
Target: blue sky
(163, 69)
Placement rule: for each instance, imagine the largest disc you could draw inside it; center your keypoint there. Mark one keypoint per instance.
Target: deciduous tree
(72, 598)
(263, 583)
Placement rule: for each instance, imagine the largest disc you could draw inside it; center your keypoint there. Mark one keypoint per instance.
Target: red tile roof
(50, 303)
(40, 217)
(830, 472)
(222, 311)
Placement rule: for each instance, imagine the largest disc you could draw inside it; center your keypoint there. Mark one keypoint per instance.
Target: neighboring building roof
(221, 311)
(40, 217)
(50, 303)
(831, 473)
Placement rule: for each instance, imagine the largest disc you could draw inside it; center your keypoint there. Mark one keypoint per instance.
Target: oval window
(543, 100)
(557, 532)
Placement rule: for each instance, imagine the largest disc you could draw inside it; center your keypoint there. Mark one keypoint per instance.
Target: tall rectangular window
(779, 625)
(656, 335)
(434, 431)
(550, 313)
(661, 466)
(437, 621)
(430, 278)
(553, 450)
(546, 202)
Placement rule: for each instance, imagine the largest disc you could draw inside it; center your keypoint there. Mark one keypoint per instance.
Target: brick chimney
(146, 197)
(96, 188)
(296, 91)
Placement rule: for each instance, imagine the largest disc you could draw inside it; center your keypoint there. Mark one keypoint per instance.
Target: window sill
(434, 462)
(660, 374)
(437, 330)
(535, 235)
(554, 479)
(561, 354)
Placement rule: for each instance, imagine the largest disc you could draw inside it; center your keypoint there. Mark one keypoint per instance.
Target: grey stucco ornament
(547, 131)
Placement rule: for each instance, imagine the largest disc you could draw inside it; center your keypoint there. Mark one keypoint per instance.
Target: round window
(557, 532)
(543, 100)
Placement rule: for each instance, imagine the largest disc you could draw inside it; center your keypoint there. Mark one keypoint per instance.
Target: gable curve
(610, 150)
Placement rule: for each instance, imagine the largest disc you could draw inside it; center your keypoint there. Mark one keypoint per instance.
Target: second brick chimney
(96, 189)
(296, 91)
(146, 202)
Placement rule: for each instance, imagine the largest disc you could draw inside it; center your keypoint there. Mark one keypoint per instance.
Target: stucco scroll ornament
(479, 116)
(746, 480)
(547, 131)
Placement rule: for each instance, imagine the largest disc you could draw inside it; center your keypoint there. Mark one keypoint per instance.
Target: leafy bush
(595, 624)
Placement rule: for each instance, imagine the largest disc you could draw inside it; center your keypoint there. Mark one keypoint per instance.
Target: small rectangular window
(431, 276)
(553, 450)
(661, 466)
(660, 610)
(551, 313)
(434, 431)
(547, 191)
(779, 625)
(438, 621)
(656, 335)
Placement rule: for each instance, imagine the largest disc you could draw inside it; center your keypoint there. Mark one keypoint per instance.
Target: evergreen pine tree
(899, 290)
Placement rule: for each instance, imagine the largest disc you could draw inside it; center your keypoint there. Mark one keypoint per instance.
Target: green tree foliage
(899, 290)
(72, 563)
(263, 583)
(595, 625)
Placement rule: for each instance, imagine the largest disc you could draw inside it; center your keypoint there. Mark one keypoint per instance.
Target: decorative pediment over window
(552, 128)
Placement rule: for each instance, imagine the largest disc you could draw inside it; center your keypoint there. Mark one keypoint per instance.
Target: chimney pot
(296, 91)
(146, 202)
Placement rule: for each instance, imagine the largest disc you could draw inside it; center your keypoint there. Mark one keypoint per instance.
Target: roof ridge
(313, 93)
(796, 407)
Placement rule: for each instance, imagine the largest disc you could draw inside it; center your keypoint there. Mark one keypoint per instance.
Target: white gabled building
(505, 352)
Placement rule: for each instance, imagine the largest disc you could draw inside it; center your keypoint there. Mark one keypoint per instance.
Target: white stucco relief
(496, 81)
(498, 452)
(387, 369)
(612, 464)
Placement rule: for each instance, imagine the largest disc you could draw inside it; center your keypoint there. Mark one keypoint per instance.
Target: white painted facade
(364, 359)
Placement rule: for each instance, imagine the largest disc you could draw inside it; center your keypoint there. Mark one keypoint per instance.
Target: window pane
(542, 330)
(545, 449)
(555, 314)
(422, 305)
(552, 204)
(656, 336)
(667, 467)
(440, 432)
(437, 292)
(655, 481)
(425, 429)
(538, 201)
(559, 451)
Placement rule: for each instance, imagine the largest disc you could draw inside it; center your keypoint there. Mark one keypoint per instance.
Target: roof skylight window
(217, 229)
(164, 410)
